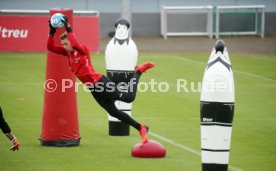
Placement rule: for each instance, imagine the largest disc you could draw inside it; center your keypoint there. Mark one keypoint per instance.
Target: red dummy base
(150, 149)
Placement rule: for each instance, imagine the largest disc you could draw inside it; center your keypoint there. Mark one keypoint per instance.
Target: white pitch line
(237, 71)
(175, 144)
(186, 148)
(188, 60)
(202, 63)
(254, 75)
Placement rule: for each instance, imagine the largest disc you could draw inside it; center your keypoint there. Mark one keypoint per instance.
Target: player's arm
(51, 46)
(7, 131)
(72, 37)
(14, 141)
(3, 124)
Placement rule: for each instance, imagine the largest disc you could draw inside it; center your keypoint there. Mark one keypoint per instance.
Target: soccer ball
(56, 20)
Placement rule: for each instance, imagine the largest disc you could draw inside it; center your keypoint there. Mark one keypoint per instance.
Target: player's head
(121, 28)
(65, 42)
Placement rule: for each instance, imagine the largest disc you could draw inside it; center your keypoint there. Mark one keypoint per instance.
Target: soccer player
(103, 90)
(7, 131)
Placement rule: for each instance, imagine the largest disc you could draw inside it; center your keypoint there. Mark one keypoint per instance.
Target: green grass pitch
(173, 115)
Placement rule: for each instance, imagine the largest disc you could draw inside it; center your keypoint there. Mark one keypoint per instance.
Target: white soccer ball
(56, 20)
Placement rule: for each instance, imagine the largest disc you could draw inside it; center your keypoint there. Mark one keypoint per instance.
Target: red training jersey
(79, 60)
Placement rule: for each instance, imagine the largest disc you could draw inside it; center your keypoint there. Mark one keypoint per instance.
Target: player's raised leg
(130, 95)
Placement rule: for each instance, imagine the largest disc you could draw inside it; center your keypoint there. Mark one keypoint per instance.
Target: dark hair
(122, 21)
(64, 36)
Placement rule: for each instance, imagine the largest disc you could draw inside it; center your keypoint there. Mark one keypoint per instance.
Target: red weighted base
(150, 149)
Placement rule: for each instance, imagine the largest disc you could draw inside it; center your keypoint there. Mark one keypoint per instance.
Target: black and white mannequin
(217, 110)
(121, 57)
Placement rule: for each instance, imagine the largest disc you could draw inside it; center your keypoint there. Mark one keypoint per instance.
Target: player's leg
(109, 105)
(130, 95)
(108, 89)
